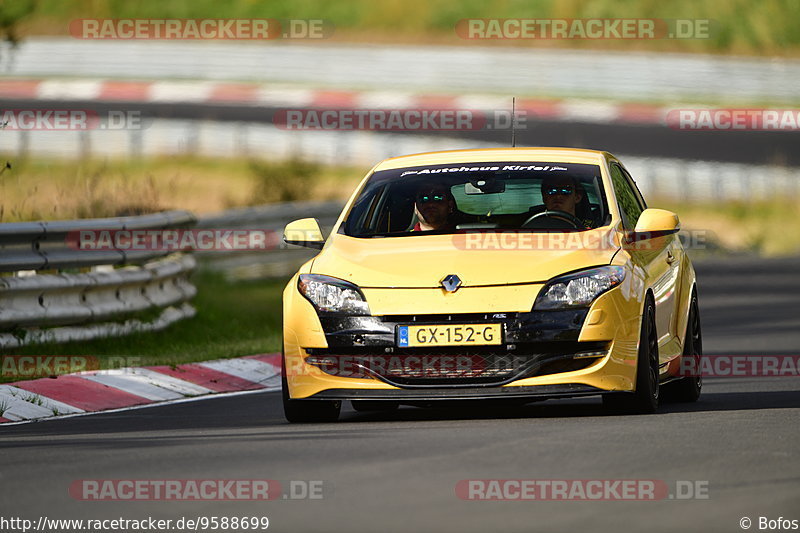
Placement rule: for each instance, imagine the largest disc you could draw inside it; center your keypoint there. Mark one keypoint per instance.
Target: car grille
(446, 318)
(416, 367)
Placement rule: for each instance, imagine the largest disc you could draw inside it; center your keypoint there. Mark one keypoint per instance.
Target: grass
(768, 229)
(52, 189)
(754, 27)
(35, 399)
(233, 319)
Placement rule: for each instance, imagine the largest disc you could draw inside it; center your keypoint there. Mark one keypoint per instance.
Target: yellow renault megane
(520, 274)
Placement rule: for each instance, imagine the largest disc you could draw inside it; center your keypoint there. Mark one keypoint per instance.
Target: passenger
(434, 206)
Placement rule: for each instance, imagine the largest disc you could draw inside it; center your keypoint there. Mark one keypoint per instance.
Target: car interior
(481, 203)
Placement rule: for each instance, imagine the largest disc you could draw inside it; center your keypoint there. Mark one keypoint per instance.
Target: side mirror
(654, 223)
(304, 232)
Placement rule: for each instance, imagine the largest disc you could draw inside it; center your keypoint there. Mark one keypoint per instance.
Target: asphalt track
(398, 472)
(752, 147)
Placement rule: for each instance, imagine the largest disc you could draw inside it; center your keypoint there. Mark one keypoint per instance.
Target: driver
(434, 206)
(562, 193)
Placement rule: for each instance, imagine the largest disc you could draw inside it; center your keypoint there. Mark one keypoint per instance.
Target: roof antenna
(513, 122)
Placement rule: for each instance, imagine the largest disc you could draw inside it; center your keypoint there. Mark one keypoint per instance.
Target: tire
(374, 405)
(306, 411)
(646, 396)
(688, 389)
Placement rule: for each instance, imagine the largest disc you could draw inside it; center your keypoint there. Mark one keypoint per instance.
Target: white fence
(504, 70)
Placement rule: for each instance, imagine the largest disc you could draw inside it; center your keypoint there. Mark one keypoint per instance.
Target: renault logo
(451, 283)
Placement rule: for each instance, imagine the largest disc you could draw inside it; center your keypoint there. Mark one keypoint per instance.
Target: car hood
(478, 259)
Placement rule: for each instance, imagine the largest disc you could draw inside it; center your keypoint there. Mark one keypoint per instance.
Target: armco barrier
(51, 292)
(278, 262)
(677, 179)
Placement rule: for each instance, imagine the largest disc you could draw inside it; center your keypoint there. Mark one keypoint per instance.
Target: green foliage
(284, 181)
(233, 319)
(12, 12)
(741, 26)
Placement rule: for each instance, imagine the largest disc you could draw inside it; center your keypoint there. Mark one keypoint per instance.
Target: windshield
(493, 196)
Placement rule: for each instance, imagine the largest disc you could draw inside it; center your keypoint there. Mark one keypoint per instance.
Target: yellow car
(519, 274)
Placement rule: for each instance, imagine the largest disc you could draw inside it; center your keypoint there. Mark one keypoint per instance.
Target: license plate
(449, 335)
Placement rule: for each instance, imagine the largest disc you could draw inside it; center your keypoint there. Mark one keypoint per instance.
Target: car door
(660, 257)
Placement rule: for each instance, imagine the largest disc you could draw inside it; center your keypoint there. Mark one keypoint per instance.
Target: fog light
(586, 355)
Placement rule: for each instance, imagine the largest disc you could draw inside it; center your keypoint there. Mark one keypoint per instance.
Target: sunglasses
(425, 198)
(550, 191)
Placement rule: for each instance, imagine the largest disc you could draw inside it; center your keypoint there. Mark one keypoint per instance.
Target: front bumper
(473, 393)
(535, 343)
(550, 340)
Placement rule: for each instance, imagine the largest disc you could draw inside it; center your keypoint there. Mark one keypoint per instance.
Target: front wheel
(688, 389)
(645, 399)
(305, 411)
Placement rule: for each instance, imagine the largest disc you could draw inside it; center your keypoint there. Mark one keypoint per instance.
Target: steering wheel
(570, 219)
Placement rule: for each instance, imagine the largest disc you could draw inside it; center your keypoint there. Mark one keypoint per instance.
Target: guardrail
(679, 179)
(54, 292)
(280, 261)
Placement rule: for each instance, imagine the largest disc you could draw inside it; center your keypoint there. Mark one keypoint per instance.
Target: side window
(635, 188)
(628, 198)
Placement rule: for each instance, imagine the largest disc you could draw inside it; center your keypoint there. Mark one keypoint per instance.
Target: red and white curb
(103, 390)
(209, 92)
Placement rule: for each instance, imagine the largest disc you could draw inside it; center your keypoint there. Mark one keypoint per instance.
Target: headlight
(580, 288)
(332, 295)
